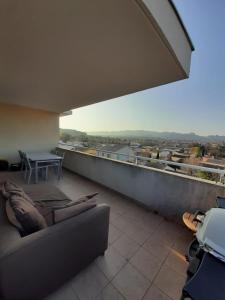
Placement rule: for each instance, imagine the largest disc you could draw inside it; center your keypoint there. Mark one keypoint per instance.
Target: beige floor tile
(137, 233)
(170, 226)
(145, 218)
(121, 223)
(113, 215)
(146, 263)
(150, 224)
(110, 293)
(170, 282)
(111, 263)
(182, 242)
(177, 262)
(132, 228)
(155, 294)
(89, 283)
(136, 213)
(126, 246)
(166, 238)
(131, 283)
(117, 205)
(114, 234)
(155, 247)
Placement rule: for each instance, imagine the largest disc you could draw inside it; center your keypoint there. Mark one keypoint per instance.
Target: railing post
(221, 177)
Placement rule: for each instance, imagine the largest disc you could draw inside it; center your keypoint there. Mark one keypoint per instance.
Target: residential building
(213, 163)
(165, 154)
(118, 152)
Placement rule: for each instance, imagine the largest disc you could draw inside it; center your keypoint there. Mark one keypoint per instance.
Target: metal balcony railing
(137, 160)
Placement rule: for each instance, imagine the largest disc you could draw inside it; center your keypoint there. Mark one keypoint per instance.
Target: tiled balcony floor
(145, 258)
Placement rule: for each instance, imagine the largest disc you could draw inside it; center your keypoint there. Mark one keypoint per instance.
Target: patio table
(38, 157)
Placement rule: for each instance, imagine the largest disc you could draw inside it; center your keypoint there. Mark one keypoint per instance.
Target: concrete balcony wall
(165, 193)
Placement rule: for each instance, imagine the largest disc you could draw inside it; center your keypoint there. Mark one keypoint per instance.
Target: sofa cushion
(47, 213)
(11, 216)
(9, 235)
(74, 208)
(62, 214)
(82, 199)
(57, 211)
(28, 217)
(10, 188)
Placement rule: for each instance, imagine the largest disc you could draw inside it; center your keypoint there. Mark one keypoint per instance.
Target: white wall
(122, 154)
(127, 151)
(26, 129)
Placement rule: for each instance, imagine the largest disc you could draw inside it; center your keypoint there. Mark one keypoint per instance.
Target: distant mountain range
(72, 132)
(145, 134)
(162, 135)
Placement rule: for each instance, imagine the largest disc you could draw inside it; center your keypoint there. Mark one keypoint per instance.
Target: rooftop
(145, 258)
(112, 148)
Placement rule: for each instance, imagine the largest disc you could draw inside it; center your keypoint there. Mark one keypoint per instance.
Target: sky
(195, 105)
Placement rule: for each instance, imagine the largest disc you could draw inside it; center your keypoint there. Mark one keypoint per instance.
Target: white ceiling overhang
(58, 55)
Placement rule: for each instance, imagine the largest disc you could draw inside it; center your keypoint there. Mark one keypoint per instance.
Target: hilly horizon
(191, 136)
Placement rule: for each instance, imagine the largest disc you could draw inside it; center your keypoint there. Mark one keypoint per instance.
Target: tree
(196, 150)
(65, 137)
(207, 175)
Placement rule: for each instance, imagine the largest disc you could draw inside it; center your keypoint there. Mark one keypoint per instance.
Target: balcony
(168, 194)
(70, 54)
(147, 245)
(145, 258)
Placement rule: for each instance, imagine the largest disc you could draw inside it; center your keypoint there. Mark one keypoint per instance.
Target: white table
(38, 157)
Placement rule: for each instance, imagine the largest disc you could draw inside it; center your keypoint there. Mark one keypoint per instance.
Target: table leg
(36, 172)
(59, 173)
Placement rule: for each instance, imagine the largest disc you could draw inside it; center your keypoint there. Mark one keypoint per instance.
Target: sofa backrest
(9, 234)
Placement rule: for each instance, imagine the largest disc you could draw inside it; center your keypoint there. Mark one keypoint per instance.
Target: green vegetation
(207, 176)
(67, 135)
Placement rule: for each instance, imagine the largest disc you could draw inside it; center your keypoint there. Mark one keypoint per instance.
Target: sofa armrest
(39, 263)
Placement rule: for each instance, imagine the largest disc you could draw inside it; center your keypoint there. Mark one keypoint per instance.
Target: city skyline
(192, 105)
